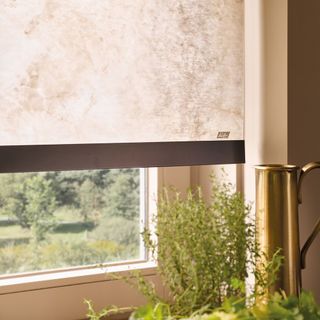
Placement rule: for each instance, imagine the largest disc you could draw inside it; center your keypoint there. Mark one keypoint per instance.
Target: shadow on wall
(303, 119)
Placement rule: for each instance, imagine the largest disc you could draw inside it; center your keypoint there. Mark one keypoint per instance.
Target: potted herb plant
(203, 252)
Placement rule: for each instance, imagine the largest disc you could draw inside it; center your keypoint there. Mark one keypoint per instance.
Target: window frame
(54, 284)
(78, 270)
(60, 295)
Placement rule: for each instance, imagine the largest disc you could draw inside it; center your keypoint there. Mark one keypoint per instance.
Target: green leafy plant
(278, 307)
(203, 252)
(201, 247)
(110, 310)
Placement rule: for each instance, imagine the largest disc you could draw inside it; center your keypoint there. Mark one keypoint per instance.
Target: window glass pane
(70, 218)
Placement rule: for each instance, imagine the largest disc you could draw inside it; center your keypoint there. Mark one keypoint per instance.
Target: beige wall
(275, 130)
(266, 86)
(303, 118)
(282, 101)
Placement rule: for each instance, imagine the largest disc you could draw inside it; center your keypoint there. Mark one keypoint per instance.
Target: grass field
(72, 242)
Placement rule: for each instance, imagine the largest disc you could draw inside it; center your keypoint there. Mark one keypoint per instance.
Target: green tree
(67, 184)
(122, 195)
(11, 194)
(34, 204)
(40, 205)
(89, 200)
(119, 230)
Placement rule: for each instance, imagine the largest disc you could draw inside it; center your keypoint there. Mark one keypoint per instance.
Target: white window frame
(60, 295)
(46, 294)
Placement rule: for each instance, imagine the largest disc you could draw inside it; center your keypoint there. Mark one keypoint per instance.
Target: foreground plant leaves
(278, 307)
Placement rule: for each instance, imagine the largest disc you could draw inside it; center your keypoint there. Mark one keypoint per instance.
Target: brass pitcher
(278, 194)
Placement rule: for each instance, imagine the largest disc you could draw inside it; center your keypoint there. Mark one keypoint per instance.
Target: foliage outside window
(70, 218)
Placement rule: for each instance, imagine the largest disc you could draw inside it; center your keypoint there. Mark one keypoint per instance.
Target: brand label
(223, 134)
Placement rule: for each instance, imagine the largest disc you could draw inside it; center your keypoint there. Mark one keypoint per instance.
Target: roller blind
(121, 83)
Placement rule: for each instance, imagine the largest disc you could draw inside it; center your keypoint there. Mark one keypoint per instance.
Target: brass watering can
(278, 194)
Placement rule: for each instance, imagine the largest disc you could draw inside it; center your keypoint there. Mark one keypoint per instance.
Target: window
(85, 73)
(66, 219)
(59, 295)
(63, 290)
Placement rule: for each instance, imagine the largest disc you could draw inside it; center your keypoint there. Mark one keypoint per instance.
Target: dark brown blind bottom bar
(29, 158)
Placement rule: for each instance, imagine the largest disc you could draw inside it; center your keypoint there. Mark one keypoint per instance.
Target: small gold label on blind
(223, 134)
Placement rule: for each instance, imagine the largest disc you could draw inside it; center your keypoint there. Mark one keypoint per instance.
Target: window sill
(36, 281)
(61, 295)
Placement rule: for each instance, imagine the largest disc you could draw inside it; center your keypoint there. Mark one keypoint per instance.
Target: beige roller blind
(121, 71)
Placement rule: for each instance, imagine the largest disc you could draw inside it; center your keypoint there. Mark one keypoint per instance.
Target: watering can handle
(305, 169)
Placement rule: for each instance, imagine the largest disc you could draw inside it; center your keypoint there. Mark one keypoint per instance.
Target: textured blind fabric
(121, 71)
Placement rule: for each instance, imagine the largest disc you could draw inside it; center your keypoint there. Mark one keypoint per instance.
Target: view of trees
(69, 218)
